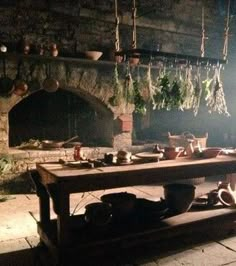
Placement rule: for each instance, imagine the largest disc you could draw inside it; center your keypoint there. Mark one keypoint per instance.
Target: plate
(124, 163)
(149, 155)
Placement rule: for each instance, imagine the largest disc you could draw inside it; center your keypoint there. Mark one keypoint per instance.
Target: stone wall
(80, 25)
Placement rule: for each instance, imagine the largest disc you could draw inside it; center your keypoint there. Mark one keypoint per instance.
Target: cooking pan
(53, 144)
(50, 84)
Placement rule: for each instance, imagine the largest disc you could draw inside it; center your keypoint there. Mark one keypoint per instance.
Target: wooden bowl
(171, 153)
(211, 152)
(93, 55)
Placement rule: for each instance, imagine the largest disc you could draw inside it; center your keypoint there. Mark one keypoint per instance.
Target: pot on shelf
(179, 197)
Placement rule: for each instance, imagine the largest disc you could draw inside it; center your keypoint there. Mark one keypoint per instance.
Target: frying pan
(50, 84)
(52, 144)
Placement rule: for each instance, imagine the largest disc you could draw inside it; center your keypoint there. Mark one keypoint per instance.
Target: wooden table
(57, 181)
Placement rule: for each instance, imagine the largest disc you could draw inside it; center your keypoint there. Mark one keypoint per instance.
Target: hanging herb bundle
(176, 99)
(128, 92)
(187, 89)
(216, 99)
(207, 85)
(148, 86)
(116, 99)
(139, 102)
(197, 92)
(162, 94)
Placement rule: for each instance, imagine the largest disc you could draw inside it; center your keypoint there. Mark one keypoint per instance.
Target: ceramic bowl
(211, 152)
(93, 55)
(171, 153)
(226, 197)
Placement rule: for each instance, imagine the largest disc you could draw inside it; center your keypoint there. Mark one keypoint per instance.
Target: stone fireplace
(79, 107)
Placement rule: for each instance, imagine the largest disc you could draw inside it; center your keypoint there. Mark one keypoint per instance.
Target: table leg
(63, 219)
(61, 206)
(44, 202)
(44, 209)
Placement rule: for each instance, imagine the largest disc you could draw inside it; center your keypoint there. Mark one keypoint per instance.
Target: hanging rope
(117, 40)
(134, 40)
(203, 33)
(226, 40)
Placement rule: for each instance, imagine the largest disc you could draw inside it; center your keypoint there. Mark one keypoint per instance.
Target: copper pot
(50, 84)
(20, 86)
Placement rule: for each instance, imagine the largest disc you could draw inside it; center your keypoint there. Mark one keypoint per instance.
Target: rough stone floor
(19, 240)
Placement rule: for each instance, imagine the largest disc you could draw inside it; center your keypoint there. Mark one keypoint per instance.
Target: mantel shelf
(47, 59)
(76, 59)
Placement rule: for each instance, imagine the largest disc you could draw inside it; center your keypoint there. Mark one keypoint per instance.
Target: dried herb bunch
(215, 99)
(139, 102)
(116, 99)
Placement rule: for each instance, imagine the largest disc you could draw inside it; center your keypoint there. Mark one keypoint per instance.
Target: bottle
(77, 152)
(54, 50)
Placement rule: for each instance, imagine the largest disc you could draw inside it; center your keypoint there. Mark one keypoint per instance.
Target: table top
(135, 174)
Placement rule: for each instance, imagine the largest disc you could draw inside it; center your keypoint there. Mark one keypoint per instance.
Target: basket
(182, 140)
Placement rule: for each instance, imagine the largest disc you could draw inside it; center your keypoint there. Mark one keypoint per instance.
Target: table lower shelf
(129, 234)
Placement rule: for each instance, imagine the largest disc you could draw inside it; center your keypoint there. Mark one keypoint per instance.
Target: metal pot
(20, 86)
(122, 203)
(98, 213)
(52, 144)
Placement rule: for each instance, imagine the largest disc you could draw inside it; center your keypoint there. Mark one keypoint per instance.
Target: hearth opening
(59, 116)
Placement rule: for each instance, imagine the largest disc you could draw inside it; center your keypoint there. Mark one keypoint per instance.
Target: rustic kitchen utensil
(50, 84)
(122, 203)
(98, 213)
(20, 86)
(52, 144)
(179, 197)
(6, 84)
